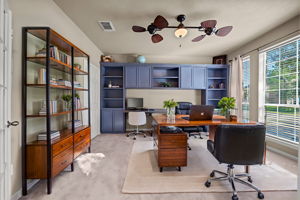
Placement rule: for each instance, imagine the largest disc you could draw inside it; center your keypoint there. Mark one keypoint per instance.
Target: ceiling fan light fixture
(181, 31)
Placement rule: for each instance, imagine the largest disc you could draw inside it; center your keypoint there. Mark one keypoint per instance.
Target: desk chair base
(135, 133)
(231, 177)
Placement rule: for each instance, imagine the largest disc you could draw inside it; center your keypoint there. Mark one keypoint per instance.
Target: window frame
(263, 56)
(245, 59)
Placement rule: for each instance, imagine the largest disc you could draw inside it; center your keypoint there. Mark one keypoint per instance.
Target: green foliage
(165, 84)
(170, 104)
(226, 103)
(68, 97)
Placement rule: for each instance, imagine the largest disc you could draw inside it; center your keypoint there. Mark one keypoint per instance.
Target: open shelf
(57, 64)
(217, 77)
(58, 113)
(56, 86)
(107, 88)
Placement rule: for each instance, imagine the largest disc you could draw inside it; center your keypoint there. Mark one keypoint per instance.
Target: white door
(5, 98)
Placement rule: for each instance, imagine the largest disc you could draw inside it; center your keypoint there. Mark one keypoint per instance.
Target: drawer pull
(63, 162)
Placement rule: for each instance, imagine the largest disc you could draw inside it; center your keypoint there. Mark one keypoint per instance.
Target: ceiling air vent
(106, 26)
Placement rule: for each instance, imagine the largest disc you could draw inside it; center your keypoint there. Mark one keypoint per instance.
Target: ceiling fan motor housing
(180, 18)
(151, 28)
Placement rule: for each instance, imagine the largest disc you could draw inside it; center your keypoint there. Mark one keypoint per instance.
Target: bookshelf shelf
(56, 86)
(49, 58)
(58, 113)
(57, 64)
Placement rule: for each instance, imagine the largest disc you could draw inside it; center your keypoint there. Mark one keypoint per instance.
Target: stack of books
(77, 103)
(77, 84)
(53, 108)
(53, 135)
(59, 55)
(64, 83)
(77, 123)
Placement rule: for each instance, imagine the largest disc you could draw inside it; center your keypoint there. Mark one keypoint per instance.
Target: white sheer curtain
(235, 83)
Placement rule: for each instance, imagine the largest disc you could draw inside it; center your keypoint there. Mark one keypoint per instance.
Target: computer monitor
(135, 103)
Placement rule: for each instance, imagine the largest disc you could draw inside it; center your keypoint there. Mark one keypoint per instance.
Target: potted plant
(226, 103)
(170, 105)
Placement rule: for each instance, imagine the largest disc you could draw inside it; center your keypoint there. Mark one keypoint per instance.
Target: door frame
(6, 40)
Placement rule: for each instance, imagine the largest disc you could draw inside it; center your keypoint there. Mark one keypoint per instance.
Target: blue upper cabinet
(193, 77)
(131, 77)
(186, 81)
(138, 77)
(199, 77)
(144, 77)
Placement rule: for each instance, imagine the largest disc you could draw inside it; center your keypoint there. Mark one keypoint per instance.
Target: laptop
(200, 112)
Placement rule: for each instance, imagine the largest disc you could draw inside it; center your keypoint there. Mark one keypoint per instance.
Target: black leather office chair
(237, 145)
(184, 109)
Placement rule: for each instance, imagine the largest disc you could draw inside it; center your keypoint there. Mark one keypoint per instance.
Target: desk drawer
(62, 145)
(172, 157)
(82, 136)
(172, 141)
(62, 160)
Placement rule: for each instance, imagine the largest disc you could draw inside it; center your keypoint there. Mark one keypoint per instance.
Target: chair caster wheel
(260, 195)
(250, 180)
(134, 138)
(127, 135)
(212, 174)
(144, 136)
(207, 184)
(235, 197)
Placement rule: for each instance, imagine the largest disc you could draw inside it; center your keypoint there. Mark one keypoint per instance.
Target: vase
(67, 106)
(171, 113)
(227, 116)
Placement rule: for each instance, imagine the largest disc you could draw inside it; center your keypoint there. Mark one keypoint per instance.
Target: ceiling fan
(160, 23)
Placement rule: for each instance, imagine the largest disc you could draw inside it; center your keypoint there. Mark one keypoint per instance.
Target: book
(42, 76)
(53, 135)
(53, 108)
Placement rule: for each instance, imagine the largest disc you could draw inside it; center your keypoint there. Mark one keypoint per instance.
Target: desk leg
(212, 131)
(265, 154)
(247, 169)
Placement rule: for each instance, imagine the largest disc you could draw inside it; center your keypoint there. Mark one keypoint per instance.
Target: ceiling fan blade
(197, 39)
(209, 24)
(138, 29)
(156, 38)
(224, 31)
(160, 22)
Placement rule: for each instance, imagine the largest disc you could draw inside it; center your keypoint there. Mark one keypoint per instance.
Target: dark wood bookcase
(44, 159)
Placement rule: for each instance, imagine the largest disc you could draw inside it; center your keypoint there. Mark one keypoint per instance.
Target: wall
(164, 59)
(155, 98)
(251, 48)
(40, 13)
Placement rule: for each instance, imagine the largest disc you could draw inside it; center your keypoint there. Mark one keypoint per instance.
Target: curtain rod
(256, 49)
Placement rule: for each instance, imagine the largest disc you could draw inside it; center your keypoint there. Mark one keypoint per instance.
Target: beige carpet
(143, 174)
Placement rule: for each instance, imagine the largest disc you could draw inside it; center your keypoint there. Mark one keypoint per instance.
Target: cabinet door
(131, 77)
(144, 78)
(199, 78)
(106, 121)
(186, 77)
(118, 121)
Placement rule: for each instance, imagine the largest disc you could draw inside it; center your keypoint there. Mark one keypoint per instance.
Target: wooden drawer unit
(172, 157)
(62, 160)
(172, 141)
(172, 150)
(62, 145)
(82, 141)
(81, 136)
(81, 148)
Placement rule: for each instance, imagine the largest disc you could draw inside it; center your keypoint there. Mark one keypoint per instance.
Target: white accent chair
(136, 119)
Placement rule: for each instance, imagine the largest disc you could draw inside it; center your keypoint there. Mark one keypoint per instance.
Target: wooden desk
(161, 120)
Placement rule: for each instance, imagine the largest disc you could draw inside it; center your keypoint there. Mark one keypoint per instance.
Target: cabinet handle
(63, 162)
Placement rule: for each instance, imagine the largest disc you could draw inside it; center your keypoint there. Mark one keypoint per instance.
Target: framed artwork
(220, 59)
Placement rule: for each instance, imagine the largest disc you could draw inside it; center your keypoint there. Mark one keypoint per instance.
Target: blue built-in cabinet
(211, 79)
(137, 76)
(193, 77)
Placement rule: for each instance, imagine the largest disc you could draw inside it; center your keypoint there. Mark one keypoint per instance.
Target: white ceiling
(249, 18)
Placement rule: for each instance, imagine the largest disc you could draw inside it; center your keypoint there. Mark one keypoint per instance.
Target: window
(282, 91)
(246, 88)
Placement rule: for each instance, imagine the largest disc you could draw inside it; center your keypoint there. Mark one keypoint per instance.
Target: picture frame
(220, 59)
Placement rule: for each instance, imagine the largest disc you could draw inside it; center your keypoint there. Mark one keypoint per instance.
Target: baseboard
(282, 153)
(18, 194)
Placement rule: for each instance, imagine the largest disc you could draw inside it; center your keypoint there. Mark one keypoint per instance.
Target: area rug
(143, 174)
(88, 162)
